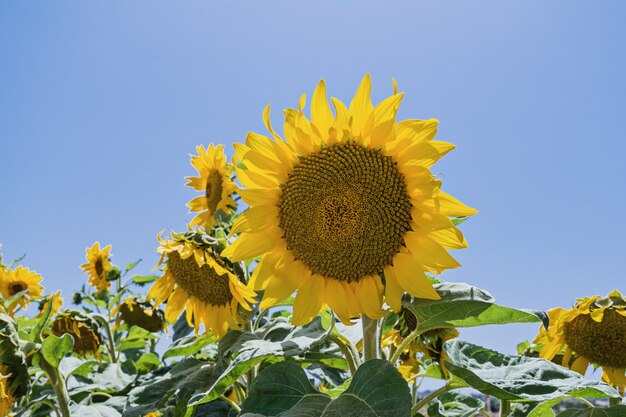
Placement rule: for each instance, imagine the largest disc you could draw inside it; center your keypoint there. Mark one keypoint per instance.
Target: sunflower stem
(404, 345)
(505, 408)
(371, 349)
(58, 384)
(110, 341)
(348, 350)
(230, 402)
(424, 401)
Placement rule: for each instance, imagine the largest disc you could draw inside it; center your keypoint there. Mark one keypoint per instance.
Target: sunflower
(98, 266)
(6, 399)
(197, 279)
(214, 182)
(138, 312)
(594, 331)
(84, 329)
(55, 299)
(14, 281)
(345, 202)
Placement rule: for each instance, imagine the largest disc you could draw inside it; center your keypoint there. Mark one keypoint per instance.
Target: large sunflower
(14, 281)
(98, 266)
(214, 182)
(197, 279)
(344, 201)
(594, 331)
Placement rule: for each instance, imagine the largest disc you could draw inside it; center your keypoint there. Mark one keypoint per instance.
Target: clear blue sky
(102, 102)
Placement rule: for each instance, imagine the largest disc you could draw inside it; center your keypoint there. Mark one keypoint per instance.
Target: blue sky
(101, 104)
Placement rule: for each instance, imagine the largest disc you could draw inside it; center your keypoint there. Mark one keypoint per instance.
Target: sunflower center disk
(344, 211)
(213, 191)
(201, 282)
(17, 287)
(99, 268)
(602, 343)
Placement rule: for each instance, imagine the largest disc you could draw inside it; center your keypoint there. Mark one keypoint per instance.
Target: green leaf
(132, 265)
(55, 348)
(453, 404)
(463, 305)
(136, 338)
(188, 345)
(147, 362)
(144, 279)
(74, 366)
(376, 390)
(517, 378)
(94, 410)
(272, 343)
(616, 411)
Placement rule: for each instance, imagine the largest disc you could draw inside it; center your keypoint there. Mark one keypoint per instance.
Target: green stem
(370, 348)
(424, 401)
(348, 350)
(59, 387)
(404, 345)
(110, 341)
(505, 408)
(231, 403)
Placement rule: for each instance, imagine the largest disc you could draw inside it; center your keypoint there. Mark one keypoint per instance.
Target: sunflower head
(214, 182)
(135, 311)
(55, 300)
(84, 329)
(197, 279)
(98, 266)
(14, 281)
(594, 331)
(6, 398)
(344, 199)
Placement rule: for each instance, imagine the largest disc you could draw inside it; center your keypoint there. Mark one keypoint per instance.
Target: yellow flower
(344, 200)
(85, 330)
(14, 281)
(594, 331)
(197, 279)
(57, 303)
(214, 182)
(97, 266)
(138, 312)
(6, 399)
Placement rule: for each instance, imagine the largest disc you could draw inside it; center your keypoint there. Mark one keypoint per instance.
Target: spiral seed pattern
(602, 343)
(344, 211)
(202, 282)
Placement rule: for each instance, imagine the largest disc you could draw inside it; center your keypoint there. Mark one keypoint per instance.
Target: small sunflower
(214, 182)
(55, 299)
(197, 279)
(98, 266)
(14, 281)
(594, 331)
(135, 311)
(84, 329)
(6, 399)
(345, 200)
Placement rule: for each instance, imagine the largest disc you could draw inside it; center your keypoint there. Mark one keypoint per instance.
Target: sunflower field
(307, 284)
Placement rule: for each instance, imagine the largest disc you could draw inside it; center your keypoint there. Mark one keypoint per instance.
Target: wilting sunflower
(594, 331)
(98, 266)
(54, 299)
(214, 182)
(135, 311)
(346, 199)
(84, 329)
(197, 279)
(14, 281)
(428, 345)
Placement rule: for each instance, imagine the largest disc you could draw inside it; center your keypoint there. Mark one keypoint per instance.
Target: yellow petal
(321, 116)
(175, 304)
(251, 245)
(450, 206)
(287, 275)
(361, 105)
(428, 252)
(411, 277)
(385, 120)
(367, 294)
(309, 300)
(337, 298)
(256, 218)
(393, 290)
(580, 365)
(259, 196)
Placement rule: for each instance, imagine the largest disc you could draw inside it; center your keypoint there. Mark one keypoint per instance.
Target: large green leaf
(187, 345)
(617, 411)
(94, 410)
(453, 404)
(518, 378)
(272, 343)
(55, 348)
(282, 389)
(463, 305)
